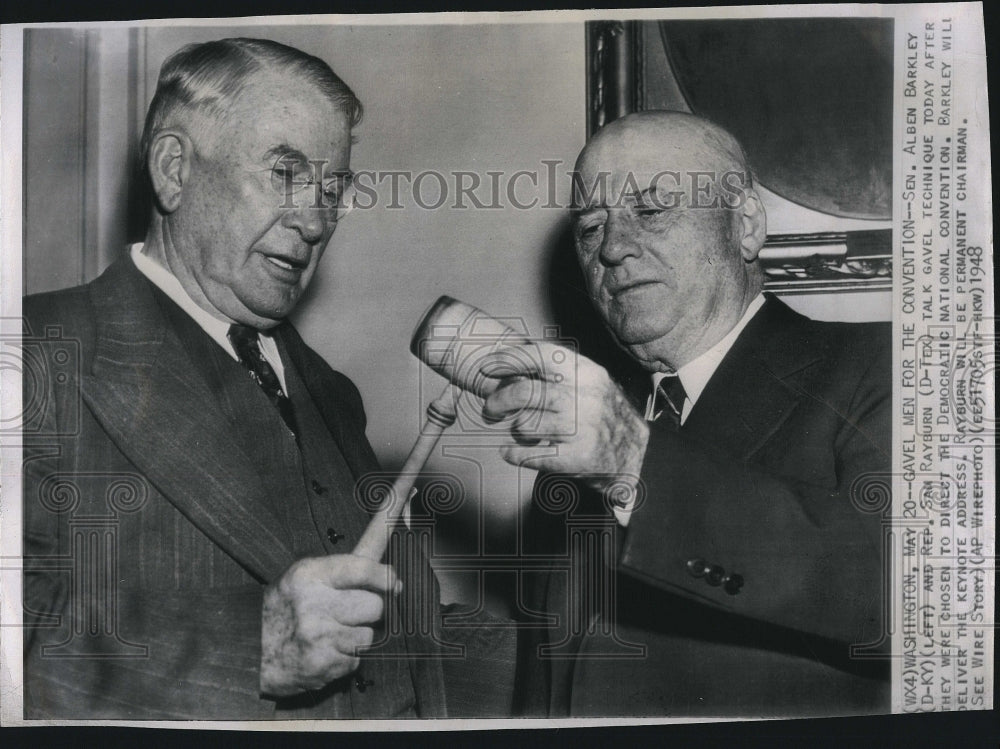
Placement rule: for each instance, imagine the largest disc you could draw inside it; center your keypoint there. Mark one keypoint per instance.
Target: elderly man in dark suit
(218, 451)
(742, 568)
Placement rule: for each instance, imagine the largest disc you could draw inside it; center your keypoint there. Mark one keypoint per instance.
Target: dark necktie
(247, 347)
(669, 399)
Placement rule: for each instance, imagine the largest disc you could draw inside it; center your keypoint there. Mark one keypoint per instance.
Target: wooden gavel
(437, 341)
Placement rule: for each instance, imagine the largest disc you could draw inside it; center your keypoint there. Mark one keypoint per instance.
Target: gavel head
(469, 347)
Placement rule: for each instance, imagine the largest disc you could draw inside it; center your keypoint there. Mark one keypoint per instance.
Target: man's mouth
(619, 289)
(286, 262)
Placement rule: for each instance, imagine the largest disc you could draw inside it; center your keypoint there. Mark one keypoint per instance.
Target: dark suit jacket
(775, 477)
(130, 460)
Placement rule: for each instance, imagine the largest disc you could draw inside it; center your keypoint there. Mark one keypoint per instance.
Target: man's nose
(619, 240)
(311, 222)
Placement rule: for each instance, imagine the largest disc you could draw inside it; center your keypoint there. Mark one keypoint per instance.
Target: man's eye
(288, 178)
(648, 212)
(331, 195)
(590, 232)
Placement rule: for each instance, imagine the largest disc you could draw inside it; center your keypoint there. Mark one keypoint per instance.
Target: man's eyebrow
(282, 150)
(642, 194)
(640, 197)
(577, 212)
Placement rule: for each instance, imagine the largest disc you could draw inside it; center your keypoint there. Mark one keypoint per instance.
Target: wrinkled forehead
(626, 160)
(280, 108)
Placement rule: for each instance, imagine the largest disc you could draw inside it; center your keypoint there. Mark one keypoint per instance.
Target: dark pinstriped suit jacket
(132, 439)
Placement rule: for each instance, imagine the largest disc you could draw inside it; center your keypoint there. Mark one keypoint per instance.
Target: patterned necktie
(247, 347)
(669, 399)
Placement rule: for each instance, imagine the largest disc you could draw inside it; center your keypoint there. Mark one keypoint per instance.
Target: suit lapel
(749, 396)
(152, 401)
(330, 401)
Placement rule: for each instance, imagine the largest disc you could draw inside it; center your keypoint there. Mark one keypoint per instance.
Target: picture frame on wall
(810, 99)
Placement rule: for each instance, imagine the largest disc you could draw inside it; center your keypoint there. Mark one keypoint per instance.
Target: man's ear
(169, 164)
(754, 226)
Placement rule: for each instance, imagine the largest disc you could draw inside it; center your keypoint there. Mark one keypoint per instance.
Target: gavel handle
(440, 416)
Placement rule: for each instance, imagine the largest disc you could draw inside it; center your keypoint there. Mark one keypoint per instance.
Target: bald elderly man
(743, 571)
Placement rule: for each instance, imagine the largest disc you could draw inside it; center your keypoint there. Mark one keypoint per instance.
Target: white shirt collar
(217, 329)
(696, 373)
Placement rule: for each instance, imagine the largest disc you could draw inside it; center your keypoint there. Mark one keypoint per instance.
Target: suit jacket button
(715, 575)
(697, 567)
(317, 487)
(332, 536)
(732, 584)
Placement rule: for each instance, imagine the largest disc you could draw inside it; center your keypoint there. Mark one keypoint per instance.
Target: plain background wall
(501, 97)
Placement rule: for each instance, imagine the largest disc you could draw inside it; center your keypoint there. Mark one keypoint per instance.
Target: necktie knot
(242, 336)
(669, 398)
(246, 344)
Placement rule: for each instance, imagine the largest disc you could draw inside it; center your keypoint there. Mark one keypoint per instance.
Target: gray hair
(208, 77)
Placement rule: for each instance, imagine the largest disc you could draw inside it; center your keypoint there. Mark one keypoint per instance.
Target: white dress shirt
(217, 328)
(694, 376)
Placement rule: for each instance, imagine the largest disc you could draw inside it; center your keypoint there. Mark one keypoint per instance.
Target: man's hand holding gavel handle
(572, 419)
(316, 618)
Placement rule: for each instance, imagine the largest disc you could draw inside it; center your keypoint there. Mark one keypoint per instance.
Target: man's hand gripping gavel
(566, 415)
